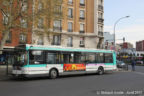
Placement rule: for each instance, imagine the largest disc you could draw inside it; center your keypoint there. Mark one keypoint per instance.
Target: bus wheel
(53, 74)
(100, 71)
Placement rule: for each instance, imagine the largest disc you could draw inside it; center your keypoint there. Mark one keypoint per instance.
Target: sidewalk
(3, 73)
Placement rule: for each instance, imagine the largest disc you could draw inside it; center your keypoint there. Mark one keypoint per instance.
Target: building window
(82, 2)
(23, 23)
(82, 28)
(100, 28)
(40, 23)
(70, 1)
(57, 26)
(70, 13)
(9, 37)
(82, 42)
(40, 40)
(70, 42)
(40, 6)
(5, 19)
(100, 2)
(58, 10)
(24, 6)
(82, 14)
(56, 40)
(70, 26)
(22, 38)
(100, 15)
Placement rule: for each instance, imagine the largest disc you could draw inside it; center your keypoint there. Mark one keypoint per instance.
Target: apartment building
(74, 23)
(140, 45)
(80, 25)
(20, 30)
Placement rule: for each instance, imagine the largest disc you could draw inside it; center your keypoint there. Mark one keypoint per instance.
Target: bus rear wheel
(53, 74)
(100, 71)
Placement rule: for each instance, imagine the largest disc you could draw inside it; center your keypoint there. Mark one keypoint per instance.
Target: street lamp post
(115, 29)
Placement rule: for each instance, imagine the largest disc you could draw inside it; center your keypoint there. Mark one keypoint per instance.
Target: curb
(4, 77)
(122, 70)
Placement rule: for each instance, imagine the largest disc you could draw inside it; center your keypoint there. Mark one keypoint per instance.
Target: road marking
(140, 73)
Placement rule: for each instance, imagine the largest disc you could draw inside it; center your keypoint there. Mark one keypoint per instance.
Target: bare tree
(12, 12)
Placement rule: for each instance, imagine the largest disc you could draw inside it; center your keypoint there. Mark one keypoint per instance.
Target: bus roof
(59, 48)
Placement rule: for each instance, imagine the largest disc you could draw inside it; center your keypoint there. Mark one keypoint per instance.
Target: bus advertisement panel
(74, 67)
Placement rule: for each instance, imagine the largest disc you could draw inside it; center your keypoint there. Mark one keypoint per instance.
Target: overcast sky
(131, 28)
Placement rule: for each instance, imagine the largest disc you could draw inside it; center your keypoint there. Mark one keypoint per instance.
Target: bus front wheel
(100, 71)
(53, 74)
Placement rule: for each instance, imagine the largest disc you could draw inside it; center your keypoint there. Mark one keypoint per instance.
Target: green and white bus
(52, 61)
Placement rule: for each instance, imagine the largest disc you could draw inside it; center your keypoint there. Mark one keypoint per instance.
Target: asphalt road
(125, 83)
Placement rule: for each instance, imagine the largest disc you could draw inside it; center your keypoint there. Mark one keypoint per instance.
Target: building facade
(20, 30)
(140, 45)
(81, 24)
(127, 45)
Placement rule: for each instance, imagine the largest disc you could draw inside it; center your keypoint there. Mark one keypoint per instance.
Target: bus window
(36, 57)
(99, 58)
(52, 58)
(20, 58)
(83, 58)
(68, 57)
(108, 58)
(77, 57)
(91, 58)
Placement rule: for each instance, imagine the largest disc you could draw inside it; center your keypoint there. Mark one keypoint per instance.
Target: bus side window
(108, 58)
(77, 57)
(36, 57)
(83, 58)
(99, 57)
(68, 57)
(91, 58)
(50, 58)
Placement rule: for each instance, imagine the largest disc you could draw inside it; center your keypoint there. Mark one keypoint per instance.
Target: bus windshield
(20, 58)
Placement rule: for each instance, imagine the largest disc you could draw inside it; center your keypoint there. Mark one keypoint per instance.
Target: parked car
(121, 64)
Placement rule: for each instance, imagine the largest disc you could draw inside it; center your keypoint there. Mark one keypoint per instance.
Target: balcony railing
(70, 30)
(82, 4)
(100, 7)
(82, 31)
(100, 20)
(56, 43)
(82, 18)
(81, 45)
(57, 29)
(59, 13)
(70, 16)
(100, 33)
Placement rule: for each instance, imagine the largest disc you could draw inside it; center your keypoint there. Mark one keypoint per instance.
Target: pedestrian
(133, 64)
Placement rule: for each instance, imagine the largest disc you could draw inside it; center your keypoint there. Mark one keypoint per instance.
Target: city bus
(53, 61)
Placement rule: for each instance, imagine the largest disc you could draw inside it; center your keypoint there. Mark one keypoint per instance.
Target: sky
(131, 28)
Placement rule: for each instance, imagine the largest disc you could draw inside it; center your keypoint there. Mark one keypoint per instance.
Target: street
(81, 85)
